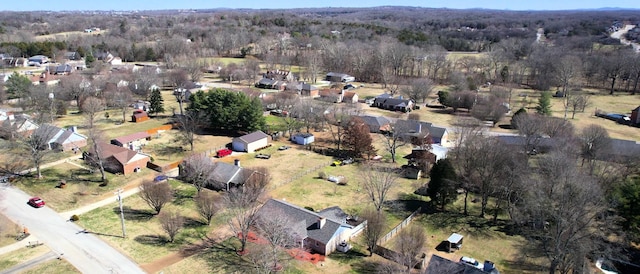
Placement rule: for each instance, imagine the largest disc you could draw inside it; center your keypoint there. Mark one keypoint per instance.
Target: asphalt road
(84, 251)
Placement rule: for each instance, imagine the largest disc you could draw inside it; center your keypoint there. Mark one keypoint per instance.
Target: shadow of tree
(135, 214)
(153, 240)
(363, 266)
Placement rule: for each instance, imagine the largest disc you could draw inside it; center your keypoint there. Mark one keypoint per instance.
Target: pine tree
(156, 101)
(544, 104)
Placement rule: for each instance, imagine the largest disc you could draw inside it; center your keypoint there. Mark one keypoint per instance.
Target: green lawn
(82, 187)
(146, 241)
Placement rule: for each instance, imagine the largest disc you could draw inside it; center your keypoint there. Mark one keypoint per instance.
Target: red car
(36, 202)
(223, 152)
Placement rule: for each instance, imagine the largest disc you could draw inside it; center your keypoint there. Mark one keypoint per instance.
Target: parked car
(223, 152)
(284, 147)
(347, 161)
(36, 202)
(473, 262)
(263, 156)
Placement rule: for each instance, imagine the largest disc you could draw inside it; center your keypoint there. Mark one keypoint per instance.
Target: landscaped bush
(75, 218)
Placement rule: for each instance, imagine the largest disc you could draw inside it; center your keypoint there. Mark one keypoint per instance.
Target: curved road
(84, 251)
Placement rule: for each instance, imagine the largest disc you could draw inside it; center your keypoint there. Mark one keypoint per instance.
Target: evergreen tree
(156, 101)
(627, 197)
(17, 86)
(229, 110)
(544, 104)
(514, 118)
(442, 187)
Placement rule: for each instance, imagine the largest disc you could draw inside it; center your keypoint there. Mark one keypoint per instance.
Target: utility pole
(119, 198)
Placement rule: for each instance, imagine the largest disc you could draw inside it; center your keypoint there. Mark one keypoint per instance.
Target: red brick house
(117, 159)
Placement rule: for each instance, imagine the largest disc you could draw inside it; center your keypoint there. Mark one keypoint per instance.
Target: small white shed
(250, 142)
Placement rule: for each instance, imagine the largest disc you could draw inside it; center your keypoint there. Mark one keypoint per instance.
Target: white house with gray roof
(320, 231)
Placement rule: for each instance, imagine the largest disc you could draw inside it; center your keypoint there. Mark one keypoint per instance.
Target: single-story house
(38, 60)
(268, 83)
(339, 77)
(376, 123)
(349, 97)
(439, 264)
(13, 126)
(540, 144)
(141, 105)
(228, 175)
(60, 69)
(395, 104)
(439, 135)
(62, 139)
(133, 141)
(309, 90)
(331, 95)
(320, 231)
(139, 116)
(250, 142)
(622, 151)
(280, 75)
(117, 159)
(303, 138)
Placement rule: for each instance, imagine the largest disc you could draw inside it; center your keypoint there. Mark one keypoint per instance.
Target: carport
(454, 242)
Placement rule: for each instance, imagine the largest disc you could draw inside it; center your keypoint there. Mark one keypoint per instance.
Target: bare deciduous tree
(171, 222)
(419, 89)
(594, 141)
(90, 108)
(276, 228)
(395, 138)
(188, 125)
(377, 181)
(408, 245)
(36, 146)
(208, 205)
(376, 223)
(197, 169)
(156, 194)
(242, 204)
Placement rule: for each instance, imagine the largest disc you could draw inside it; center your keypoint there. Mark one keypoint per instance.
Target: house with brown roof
(309, 90)
(250, 142)
(349, 97)
(331, 95)
(139, 116)
(117, 159)
(133, 141)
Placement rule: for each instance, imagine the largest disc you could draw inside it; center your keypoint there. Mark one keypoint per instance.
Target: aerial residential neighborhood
(312, 139)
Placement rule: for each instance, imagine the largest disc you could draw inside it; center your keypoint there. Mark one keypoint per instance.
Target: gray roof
(305, 220)
(377, 121)
(303, 135)
(624, 148)
(438, 264)
(252, 137)
(228, 173)
(334, 213)
(394, 102)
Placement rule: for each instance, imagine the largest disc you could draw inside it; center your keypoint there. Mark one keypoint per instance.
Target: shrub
(75, 218)
(309, 208)
(322, 175)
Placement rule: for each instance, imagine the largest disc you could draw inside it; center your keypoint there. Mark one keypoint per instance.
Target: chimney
(321, 222)
(236, 162)
(73, 128)
(419, 130)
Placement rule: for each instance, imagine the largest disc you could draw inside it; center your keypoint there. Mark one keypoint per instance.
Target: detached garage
(250, 142)
(302, 138)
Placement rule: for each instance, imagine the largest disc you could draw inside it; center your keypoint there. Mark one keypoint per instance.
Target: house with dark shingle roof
(250, 142)
(376, 123)
(319, 231)
(229, 175)
(439, 264)
(395, 104)
(439, 135)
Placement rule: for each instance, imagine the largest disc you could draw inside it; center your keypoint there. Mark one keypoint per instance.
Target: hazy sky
(281, 4)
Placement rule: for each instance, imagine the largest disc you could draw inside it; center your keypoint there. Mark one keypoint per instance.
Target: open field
(146, 241)
(82, 187)
(68, 35)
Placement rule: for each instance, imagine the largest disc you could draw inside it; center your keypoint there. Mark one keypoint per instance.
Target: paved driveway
(84, 251)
